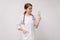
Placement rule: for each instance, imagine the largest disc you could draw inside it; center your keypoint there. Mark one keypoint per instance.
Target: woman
(28, 23)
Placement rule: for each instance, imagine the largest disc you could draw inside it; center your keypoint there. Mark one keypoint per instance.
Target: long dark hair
(25, 7)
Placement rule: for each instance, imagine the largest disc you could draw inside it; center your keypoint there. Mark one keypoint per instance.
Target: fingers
(25, 31)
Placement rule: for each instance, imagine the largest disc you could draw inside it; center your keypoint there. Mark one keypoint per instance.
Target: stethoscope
(24, 19)
(23, 23)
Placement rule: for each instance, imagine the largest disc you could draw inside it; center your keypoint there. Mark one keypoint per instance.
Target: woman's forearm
(37, 23)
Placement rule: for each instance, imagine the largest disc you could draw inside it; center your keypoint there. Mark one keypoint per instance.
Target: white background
(49, 28)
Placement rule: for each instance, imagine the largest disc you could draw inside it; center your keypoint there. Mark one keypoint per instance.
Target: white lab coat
(29, 26)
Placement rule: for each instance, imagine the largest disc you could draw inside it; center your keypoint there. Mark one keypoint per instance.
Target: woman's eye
(30, 8)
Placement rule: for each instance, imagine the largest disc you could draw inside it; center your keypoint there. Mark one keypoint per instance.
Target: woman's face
(29, 9)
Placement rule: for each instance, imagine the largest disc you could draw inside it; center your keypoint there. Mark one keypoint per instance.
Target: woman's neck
(27, 14)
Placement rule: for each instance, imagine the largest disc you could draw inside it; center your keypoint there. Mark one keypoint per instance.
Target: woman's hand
(25, 31)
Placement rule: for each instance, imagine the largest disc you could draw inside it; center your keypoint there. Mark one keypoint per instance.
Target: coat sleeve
(34, 19)
(19, 23)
